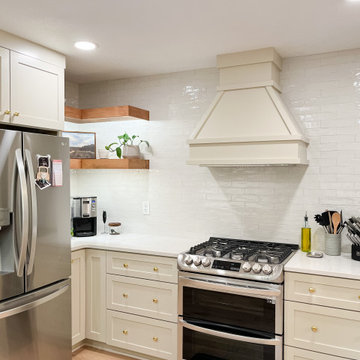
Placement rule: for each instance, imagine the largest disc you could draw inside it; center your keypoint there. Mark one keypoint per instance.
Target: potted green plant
(126, 147)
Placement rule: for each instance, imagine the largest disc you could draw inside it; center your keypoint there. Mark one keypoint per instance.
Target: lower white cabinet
(142, 297)
(300, 354)
(78, 296)
(96, 295)
(143, 335)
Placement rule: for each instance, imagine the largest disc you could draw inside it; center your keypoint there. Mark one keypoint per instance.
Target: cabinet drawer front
(147, 336)
(142, 266)
(142, 297)
(327, 330)
(322, 290)
(300, 354)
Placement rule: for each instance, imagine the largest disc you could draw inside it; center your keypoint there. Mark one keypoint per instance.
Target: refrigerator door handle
(21, 258)
(34, 212)
(28, 305)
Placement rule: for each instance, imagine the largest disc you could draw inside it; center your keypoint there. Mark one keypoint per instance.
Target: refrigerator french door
(34, 250)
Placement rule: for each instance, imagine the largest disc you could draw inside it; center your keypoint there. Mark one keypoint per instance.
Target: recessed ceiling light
(85, 45)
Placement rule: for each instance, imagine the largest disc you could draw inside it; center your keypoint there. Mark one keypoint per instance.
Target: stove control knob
(247, 267)
(188, 260)
(256, 268)
(267, 269)
(197, 261)
(206, 262)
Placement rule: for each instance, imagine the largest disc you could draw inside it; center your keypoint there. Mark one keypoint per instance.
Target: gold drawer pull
(314, 329)
(126, 266)
(125, 332)
(156, 339)
(72, 261)
(125, 295)
(16, 113)
(7, 112)
(156, 269)
(311, 290)
(155, 301)
(359, 297)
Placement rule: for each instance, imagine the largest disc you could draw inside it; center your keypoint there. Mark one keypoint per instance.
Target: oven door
(212, 343)
(253, 306)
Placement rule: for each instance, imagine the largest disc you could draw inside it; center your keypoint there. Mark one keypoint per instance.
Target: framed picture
(82, 144)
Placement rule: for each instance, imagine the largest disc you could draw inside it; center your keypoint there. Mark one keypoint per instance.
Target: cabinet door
(96, 295)
(4, 85)
(37, 93)
(327, 330)
(78, 295)
(292, 353)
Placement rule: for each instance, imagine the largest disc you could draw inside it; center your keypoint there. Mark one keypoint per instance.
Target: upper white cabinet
(4, 85)
(31, 84)
(37, 93)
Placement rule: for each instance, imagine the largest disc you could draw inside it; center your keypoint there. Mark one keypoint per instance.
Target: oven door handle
(254, 340)
(230, 288)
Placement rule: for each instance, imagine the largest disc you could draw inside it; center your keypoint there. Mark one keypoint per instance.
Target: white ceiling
(144, 37)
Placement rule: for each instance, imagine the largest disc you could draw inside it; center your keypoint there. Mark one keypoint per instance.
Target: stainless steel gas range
(231, 300)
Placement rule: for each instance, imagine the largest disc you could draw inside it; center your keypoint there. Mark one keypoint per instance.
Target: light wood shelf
(109, 164)
(112, 113)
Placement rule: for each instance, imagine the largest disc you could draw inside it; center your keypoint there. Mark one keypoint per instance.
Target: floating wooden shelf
(113, 113)
(109, 164)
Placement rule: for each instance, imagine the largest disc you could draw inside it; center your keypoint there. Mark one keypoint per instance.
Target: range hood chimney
(247, 123)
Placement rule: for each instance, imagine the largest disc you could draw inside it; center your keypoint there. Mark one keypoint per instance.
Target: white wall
(265, 203)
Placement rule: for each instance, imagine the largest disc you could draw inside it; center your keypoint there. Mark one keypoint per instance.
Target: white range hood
(247, 123)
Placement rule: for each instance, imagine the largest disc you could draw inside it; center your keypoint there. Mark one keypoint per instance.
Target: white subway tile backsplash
(265, 203)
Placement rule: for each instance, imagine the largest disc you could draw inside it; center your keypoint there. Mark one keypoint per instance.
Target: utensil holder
(355, 252)
(333, 244)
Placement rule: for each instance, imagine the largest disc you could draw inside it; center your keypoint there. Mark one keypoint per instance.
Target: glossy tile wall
(265, 203)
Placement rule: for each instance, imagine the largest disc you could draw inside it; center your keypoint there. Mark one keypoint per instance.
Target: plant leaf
(118, 152)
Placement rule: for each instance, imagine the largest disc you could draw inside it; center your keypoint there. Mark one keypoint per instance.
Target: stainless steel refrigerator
(35, 253)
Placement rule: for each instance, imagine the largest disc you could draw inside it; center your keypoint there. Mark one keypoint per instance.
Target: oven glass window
(229, 309)
(199, 346)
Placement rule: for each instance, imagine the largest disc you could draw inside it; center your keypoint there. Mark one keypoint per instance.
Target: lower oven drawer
(199, 343)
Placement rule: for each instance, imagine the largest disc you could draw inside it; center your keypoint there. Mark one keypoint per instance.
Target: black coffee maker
(83, 213)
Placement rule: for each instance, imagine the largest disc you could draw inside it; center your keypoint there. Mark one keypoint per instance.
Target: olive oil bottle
(306, 236)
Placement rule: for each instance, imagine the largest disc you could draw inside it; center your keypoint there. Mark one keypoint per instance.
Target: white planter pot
(131, 152)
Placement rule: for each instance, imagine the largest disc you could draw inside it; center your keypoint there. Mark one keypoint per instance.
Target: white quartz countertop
(135, 243)
(336, 266)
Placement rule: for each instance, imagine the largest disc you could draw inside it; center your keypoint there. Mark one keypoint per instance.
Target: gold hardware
(359, 297)
(72, 261)
(156, 269)
(126, 266)
(155, 301)
(311, 290)
(125, 332)
(16, 113)
(7, 112)
(156, 339)
(314, 329)
(125, 295)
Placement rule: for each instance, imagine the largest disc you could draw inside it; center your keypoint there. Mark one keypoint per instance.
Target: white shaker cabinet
(78, 296)
(4, 85)
(96, 295)
(37, 93)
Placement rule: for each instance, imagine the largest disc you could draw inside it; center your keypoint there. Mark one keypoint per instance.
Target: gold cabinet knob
(311, 290)
(125, 332)
(155, 301)
(126, 266)
(7, 112)
(359, 297)
(314, 329)
(16, 113)
(125, 295)
(156, 269)
(72, 261)
(155, 338)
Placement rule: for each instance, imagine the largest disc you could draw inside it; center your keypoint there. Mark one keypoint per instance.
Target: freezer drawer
(37, 326)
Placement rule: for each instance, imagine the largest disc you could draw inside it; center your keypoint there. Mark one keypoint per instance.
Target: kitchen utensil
(336, 221)
(315, 254)
(330, 222)
(104, 217)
